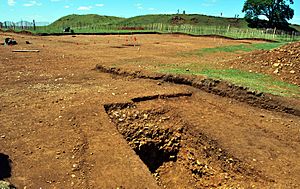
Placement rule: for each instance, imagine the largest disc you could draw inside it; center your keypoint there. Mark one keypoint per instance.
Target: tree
(278, 12)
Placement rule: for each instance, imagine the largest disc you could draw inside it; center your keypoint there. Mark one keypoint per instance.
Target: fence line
(228, 31)
(21, 25)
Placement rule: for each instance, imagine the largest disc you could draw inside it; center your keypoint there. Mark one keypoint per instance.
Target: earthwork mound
(283, 62)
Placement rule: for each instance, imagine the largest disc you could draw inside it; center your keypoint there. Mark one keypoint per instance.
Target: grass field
(187, 19)
(85, 20)
(236, 48)
(179, 23)
(185, 29)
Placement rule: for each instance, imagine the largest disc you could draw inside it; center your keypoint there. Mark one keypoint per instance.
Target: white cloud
(11, 2)
(99, 5)
(84, 8)
(67, 6)
(151, 9)
(55, 0)
(139, 6)
(32, 3)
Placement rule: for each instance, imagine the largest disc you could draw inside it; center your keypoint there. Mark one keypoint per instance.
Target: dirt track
(58, 133)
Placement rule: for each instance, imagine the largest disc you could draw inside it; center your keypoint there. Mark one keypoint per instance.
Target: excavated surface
(282, 63)
(57, 133)
(177, 153)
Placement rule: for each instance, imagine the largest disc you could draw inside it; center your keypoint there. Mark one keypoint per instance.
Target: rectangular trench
(176, 154)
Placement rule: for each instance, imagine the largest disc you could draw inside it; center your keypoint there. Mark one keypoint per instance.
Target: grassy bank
(236, 48)
(254, 81)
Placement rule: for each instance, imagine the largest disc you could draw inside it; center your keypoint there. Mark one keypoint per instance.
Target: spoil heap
(282, 62)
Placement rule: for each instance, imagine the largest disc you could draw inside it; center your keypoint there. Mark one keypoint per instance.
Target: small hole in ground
(153, 156)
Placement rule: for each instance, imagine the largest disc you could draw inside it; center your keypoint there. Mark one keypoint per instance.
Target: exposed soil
(282, 63)
(62, 123)
(218, 87)
(177, 154)
(177, 20)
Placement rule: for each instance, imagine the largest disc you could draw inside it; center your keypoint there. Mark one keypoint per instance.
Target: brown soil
(177, 20)
(65, 125)
(218, 87)
(282, 63)
(178, 154)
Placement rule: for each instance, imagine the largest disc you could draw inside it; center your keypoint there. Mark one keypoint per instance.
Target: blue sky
(50, 10)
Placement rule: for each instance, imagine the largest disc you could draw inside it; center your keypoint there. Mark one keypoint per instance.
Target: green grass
(254, 81)
(75, 20)
(88, 29)
(195, 24)
(237, 48)
(166, 19)
(185, 19)
(161, 28)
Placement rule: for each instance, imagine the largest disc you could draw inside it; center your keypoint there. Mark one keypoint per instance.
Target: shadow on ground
(5, 166)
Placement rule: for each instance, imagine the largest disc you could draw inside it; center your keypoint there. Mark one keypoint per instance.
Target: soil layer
(62, 122)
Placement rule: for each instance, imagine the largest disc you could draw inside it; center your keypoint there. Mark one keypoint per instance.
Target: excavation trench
(216, 87)
(153, 144)
(176, 154)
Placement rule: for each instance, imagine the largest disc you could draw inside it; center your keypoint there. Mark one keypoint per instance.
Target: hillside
(296, 26)
(193, 19)
(75, 20)
(85, 20)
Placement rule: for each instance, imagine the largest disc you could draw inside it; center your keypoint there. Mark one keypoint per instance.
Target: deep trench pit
(176, 154)
(154, 142)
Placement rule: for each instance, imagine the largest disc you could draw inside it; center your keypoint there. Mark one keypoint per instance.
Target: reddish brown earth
(61, 128)
(282, 63)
